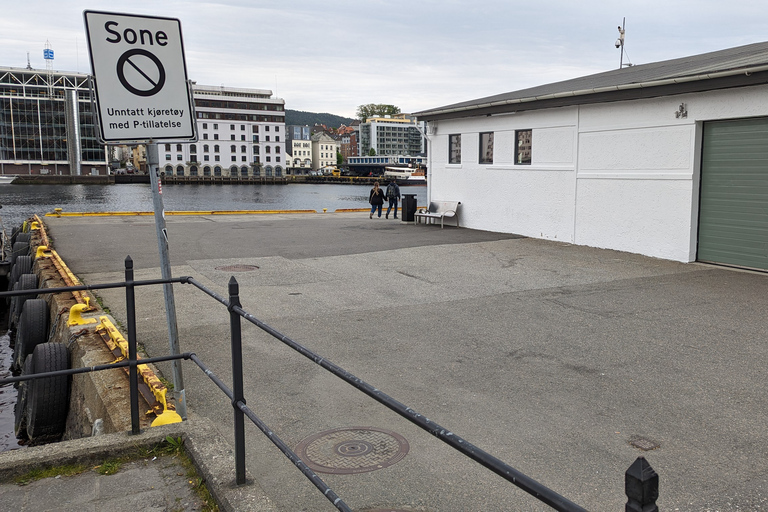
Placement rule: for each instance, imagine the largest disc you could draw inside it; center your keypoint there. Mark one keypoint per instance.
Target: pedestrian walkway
(566, 362)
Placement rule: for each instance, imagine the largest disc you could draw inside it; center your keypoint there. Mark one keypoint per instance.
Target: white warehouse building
(668, 159)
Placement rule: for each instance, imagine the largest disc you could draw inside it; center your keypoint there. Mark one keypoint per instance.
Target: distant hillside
(310, 119)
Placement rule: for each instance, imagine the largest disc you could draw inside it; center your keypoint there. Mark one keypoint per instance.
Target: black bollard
(641, 484)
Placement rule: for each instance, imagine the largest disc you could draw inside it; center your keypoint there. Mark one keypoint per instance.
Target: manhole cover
(346, 451)
(643, 444)
(237, 268)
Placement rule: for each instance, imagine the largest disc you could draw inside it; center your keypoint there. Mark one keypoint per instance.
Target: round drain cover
(238, 268)
(346, 451)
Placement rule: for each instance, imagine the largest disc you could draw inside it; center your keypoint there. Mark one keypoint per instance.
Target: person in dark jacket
(376, 198)
(393, 195)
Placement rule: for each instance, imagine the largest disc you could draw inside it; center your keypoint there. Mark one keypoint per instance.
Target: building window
(255, 138)
(244, 158)
(205, 148)
(266, 138)
(167, 157)
(269, 159)
(243, 149)
(206, 158)
(205, 136)
(277, 149)
(216, 158)
(268, 149)
(486, 147)
(523, 147)
(454, 153)
(255, 150)
(231, 127)
(193, 148)
(277, 159)
(178, 157)
(234, 158)
(167, 147)
(205, 126)
(242, 137)
(232, 137)
(232, 149)
(215, 136)
(242, 127)
(215, 126)
(266, 128)
(216, 148)
(255, 128)
(277, 138)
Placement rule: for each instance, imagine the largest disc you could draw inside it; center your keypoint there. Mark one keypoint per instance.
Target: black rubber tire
(25, 282)
(23, 237)
(22, 265)
(14, 233)
(20, 409)
(48, 398)
(19, 249)
(32, 330)
(14, 301)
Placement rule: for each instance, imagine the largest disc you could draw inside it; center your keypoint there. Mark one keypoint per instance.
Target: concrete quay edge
(212, 457)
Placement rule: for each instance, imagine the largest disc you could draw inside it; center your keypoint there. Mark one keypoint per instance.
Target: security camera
(618, 43)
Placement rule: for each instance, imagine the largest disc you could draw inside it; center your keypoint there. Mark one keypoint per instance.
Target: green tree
(372, 152)
(376, 109)
(339, 158)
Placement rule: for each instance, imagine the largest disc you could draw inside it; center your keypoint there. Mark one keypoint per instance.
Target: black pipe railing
(641, 481)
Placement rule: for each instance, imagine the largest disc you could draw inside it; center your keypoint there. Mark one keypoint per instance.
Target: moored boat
(405, 174)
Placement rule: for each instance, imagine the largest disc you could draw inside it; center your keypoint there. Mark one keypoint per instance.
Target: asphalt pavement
(565, 362)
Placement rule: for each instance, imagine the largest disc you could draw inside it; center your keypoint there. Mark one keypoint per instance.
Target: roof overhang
(745, 77)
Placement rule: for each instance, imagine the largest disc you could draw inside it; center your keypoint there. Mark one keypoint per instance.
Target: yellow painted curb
(204, 212)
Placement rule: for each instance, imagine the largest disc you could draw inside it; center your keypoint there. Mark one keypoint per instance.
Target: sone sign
(140, 76)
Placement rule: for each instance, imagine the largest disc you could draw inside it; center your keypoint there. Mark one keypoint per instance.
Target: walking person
(376, 198)
(393, 195)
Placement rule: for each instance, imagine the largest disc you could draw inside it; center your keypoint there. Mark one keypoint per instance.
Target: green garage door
(733, 215)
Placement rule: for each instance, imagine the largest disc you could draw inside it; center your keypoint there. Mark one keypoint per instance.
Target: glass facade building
(47, 125)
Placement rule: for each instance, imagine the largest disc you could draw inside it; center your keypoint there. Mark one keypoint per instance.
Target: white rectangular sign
(141, 77)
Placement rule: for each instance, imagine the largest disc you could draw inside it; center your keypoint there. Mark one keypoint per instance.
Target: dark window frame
(454, 152)
(485, 157)
(523, 147)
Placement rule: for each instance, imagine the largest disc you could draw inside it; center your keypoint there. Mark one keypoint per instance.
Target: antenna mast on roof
(620, 43)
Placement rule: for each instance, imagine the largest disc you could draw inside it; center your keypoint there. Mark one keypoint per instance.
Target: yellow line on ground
(205, 212)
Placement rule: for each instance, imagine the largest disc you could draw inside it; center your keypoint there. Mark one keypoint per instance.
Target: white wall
(621, 175)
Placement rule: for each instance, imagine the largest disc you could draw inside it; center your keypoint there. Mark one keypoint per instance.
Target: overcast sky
(331, 56)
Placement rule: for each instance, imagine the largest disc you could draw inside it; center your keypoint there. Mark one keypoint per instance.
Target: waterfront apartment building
(241, 132)
(392, 135)
(298, 146)
(46, 124)
(324, 148)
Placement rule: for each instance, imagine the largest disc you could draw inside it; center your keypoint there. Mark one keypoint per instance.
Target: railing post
(641, 484)
(237, 380)
(130, 305)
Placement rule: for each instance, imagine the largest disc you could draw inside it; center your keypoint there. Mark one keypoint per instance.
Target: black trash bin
(409, 207)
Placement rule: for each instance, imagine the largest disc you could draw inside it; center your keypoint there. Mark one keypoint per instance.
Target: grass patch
(50, 472)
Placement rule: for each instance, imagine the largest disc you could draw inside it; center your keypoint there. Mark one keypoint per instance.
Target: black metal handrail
(641, 482)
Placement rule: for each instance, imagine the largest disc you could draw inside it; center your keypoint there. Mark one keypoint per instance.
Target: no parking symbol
(141, 85)
(141, 72)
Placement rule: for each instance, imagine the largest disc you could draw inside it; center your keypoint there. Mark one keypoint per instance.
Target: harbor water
(19, 202)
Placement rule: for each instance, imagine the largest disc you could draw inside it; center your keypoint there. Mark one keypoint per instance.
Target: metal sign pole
(153, 161)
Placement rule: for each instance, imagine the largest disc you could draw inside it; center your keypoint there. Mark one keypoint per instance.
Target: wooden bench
(439, 210)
